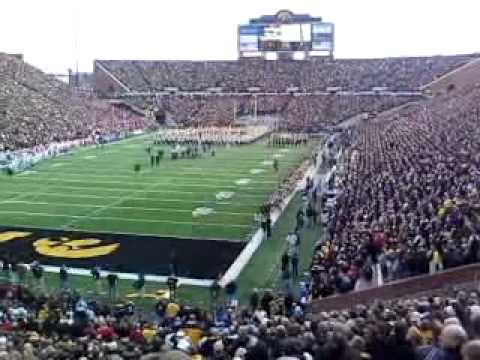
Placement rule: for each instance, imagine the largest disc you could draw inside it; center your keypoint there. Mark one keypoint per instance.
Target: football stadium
(204, 203)
(288, 204)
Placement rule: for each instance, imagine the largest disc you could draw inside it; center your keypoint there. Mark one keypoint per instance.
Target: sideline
(130, 276)
(249, 250)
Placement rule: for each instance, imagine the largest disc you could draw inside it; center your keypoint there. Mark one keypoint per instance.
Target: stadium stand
(406, 205)
(298, 113)
(275, 76)
(335, 87)
(407, 198)
(440, 325)
(36, 109)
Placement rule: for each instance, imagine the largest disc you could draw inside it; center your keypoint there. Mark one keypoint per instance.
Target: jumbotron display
(286, 33)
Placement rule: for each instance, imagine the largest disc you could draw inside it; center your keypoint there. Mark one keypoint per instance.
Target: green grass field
(97, 190)
(262, 271)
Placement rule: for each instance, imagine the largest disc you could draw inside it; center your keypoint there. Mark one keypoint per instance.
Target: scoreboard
(285, 32)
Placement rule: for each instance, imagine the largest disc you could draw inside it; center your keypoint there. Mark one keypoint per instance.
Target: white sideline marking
(267, 162)
(57, 165)
(249, 250)
(277, 156)
(256, 171)
(116, 207)
(130, 276)
(84, 176)
(242, 181)
(118, 218)
(89, 157)
(284, 150)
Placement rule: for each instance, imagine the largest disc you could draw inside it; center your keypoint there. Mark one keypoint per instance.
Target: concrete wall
(410, 286)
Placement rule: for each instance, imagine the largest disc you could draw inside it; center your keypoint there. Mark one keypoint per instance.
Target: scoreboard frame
(320, 43)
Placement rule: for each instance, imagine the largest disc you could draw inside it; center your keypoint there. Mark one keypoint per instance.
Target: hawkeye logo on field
(64, 247)
(126, 253)
(73, 249)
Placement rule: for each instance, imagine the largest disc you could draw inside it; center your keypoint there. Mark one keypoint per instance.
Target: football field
(97, 190)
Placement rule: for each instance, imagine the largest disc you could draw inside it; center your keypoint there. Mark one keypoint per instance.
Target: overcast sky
(44, 30)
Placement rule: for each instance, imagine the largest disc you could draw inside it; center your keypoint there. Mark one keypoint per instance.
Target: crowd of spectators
(295, 113)
(403, 73)
(407, 193)
(36, 109)
(444, 325)
(407, 190)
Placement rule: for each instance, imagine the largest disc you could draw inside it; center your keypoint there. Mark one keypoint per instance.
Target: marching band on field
(211, 135)
(287, 139)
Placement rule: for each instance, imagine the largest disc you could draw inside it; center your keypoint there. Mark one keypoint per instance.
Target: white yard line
(152, 191)
(164, 171)
(16, 197)
(138, 234)
(84, 176)
(146, 165)
(90, 196)
(118, 207)
(27, 213)
(85, 180)
(100, 209)
(114, 203)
